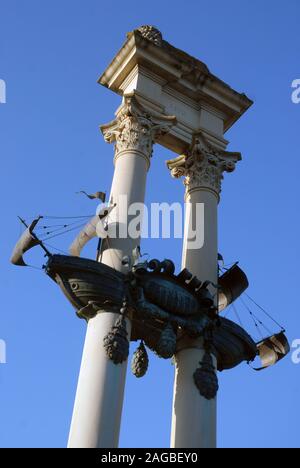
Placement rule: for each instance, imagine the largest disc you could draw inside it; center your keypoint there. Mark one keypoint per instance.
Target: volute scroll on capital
(203, 166)
(135, 129)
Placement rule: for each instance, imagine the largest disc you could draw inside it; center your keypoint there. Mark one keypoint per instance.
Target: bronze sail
(26, 242)
(232, 284)
(88, 232)
(272, 350)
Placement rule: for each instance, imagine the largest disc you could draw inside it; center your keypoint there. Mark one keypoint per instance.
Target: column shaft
(99, 398)
(194, 417)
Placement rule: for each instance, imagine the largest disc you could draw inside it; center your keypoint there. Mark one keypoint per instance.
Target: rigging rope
(63, 226)
(256, 320)
(265, 312)
(40, 228)
(55, 248)
(68, 217)
(30, 218)
(62, 233)
(52, 231)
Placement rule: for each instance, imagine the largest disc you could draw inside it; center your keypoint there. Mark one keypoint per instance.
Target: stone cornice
(135, 129)
(180, 71)
(203, 166)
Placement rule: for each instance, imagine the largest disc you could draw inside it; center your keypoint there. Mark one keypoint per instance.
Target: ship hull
(91, 286)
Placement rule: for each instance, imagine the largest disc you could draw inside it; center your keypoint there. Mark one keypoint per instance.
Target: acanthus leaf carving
(204, 165)
(135, 129)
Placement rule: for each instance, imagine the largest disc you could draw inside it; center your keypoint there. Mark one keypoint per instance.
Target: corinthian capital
(203, 166)
(135, 129)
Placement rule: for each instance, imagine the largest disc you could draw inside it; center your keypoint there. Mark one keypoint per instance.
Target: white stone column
(194, 417)
(99, 398)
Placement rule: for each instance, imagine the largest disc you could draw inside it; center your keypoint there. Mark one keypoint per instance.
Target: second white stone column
(194, 416)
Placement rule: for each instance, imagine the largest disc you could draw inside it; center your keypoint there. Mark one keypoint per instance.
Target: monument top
(171, 82)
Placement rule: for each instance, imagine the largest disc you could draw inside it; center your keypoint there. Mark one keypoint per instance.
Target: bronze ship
(162, 306)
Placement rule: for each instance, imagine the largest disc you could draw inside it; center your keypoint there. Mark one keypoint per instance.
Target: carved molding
(135, 129)
(204, 165)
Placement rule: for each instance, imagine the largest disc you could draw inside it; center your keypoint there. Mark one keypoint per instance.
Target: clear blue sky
(51, 54)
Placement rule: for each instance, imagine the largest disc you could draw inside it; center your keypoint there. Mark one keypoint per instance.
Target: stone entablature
(168, 81)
